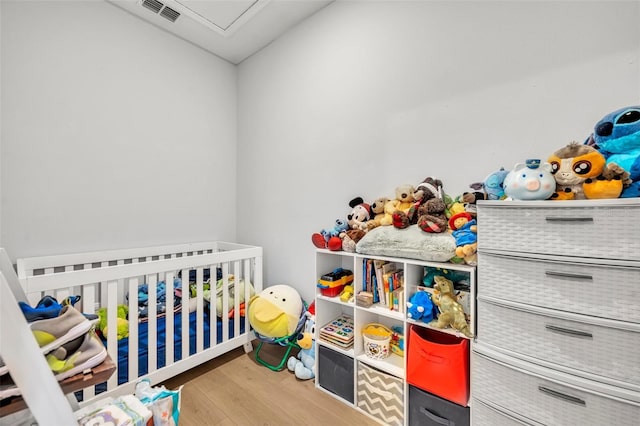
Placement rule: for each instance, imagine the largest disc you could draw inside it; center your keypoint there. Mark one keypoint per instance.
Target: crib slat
(237, 273)
(199, 309)
(133, 328)
(186, 309)
(225, 301)
(247, 293)
(213, 306)
(112, 331)
(152, 323)
(169, 333)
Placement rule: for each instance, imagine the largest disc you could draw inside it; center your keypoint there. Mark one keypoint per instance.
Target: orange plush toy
(581, 172)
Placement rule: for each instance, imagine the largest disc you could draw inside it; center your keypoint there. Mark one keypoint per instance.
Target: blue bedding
(143, 343)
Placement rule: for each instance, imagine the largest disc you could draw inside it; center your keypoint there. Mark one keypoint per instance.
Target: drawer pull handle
(568, 331)
(564, 396)
(568, 219)
(568, 275)
(437, 419)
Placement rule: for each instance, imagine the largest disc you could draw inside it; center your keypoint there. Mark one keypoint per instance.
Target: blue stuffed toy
(304, 365)
(420, 307)
(617, 137)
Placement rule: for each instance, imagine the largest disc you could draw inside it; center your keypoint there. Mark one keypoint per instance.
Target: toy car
(331, 284)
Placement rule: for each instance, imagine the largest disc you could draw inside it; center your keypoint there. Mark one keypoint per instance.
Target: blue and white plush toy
(304, 365)
(617, 137)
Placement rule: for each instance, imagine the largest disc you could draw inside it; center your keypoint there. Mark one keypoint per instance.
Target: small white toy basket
(376, 340)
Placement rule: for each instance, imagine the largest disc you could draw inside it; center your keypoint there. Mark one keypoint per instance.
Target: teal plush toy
(617, 137)
(431, 272)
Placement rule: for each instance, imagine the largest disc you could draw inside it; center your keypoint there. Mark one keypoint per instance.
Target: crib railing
(111, 278)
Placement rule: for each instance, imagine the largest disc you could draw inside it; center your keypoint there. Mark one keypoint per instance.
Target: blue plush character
(494, 184)
(617, 137)
(420, 307)
(304, 365)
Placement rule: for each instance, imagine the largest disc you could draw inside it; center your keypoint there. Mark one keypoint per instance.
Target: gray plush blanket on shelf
(411, 243)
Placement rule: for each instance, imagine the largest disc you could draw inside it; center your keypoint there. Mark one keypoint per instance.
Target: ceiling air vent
(165, 11)
(152, 5)
(169, 14)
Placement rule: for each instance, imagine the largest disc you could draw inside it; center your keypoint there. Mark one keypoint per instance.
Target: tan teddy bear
(378, 213)
(403, 202)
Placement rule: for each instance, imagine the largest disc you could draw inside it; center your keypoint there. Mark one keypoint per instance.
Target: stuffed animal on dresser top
(578, 168)
(617, 137)
(530, 181)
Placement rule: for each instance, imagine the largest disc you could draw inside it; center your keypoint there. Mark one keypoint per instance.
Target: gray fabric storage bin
(335, 373)
(426, 409)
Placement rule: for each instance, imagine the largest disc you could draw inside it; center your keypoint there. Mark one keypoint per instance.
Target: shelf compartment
(381, 395)
(336, 373)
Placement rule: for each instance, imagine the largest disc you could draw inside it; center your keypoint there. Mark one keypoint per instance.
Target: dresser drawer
(484, 415)
(601, 291)
(549, 400)
(598, 229)
(573, 345)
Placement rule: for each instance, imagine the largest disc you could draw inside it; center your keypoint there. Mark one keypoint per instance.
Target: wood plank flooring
(234, 389)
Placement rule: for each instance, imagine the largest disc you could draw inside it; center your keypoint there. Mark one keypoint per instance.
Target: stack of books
(339, 332)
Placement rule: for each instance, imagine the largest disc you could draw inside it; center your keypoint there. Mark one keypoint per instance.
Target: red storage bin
(439, 363)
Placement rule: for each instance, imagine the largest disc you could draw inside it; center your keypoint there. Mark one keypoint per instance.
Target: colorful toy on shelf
(420, 306)
(329, 237)
(333, 283)
(359, 215)
(456, 276)
(530, 181)
(379, 217)
(397, 340)
(304, 365)
(451, 311)
(426, 190)
(617, 137)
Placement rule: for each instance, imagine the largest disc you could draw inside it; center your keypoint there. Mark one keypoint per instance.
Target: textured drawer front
(381, 395)
(546, 401)
(426, 409)
(483, 415)
(576, 346)
(603, 231)
(607, 292)
(335, 373)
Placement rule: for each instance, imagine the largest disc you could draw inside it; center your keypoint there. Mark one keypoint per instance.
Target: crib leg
(248, 347)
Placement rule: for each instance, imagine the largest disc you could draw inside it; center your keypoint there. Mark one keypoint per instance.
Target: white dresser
(558, 313)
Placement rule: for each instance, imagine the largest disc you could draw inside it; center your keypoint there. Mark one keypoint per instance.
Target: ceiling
(230, 29)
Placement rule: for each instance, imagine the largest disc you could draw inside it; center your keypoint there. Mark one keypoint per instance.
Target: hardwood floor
(236, 390)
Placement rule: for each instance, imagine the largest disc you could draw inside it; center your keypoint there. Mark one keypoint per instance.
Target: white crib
(188, 333)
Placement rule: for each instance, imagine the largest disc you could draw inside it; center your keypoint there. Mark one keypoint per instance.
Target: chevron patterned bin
(381, 395)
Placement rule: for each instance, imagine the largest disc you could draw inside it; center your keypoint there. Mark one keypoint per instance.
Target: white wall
(114, 133)
(368, 95)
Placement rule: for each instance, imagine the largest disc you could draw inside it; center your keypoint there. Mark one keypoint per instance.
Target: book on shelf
(380, 282)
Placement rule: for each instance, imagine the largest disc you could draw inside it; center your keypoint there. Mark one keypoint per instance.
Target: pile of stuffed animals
(424, 205)
(606, 165)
